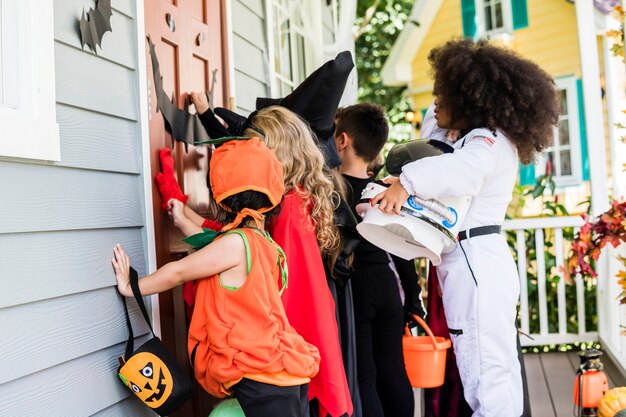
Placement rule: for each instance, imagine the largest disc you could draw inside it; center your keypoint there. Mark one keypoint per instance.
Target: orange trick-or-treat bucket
(425, 357)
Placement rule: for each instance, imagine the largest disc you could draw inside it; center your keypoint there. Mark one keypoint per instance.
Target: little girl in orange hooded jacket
(240, 341)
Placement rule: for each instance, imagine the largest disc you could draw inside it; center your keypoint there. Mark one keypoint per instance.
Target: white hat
(416, 233)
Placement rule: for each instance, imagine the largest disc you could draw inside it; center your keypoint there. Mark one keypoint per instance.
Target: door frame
(144, 119)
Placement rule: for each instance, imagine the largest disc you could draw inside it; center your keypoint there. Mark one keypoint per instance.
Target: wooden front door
(190, 44)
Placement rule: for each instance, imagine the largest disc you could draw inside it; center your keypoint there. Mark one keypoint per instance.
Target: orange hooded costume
(244, 332)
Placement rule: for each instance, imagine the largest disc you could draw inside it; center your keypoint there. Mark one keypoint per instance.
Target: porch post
(590, 67)
(616, 103)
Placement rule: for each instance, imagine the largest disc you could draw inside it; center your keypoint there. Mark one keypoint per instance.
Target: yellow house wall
(446, 25)
(551, 38)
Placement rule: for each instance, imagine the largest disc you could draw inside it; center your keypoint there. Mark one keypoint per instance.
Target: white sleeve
(457, 174)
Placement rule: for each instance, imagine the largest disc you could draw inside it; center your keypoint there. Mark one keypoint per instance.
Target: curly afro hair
(488, 86)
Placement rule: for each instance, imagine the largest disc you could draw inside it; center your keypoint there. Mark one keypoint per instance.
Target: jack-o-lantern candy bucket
(151, 372)
(154, 376)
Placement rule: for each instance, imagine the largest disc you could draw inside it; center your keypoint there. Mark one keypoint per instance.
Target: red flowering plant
(608, 228)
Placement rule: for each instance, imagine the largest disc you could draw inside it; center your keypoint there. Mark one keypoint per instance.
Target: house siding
(552, 42)
(447, 24)
(250, 52)
(62, 320)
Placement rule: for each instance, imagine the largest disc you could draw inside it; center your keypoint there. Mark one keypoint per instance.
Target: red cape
(309, 304)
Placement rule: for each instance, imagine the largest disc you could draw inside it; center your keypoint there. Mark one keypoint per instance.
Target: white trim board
(144, 115)
(397, 68)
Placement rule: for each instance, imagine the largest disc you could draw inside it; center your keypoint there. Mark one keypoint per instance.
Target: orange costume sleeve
(309, 304)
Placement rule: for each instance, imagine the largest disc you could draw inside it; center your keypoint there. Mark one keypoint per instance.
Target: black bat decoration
(95, 24)
(183, 126)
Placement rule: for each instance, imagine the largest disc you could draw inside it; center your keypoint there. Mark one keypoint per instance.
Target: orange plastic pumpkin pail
(425, 357)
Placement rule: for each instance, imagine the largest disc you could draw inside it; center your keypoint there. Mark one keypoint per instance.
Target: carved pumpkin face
(148, 378)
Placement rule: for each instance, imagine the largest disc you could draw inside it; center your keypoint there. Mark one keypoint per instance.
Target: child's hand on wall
(391, 200)
(121, 265)
(200, 101)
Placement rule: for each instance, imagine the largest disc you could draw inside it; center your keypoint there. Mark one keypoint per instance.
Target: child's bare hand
(176, 211)
(391, 200)
(201, 101)
(121, 265)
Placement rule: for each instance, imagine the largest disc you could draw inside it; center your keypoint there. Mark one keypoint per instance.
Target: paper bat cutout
(182, 125)
(95, 24)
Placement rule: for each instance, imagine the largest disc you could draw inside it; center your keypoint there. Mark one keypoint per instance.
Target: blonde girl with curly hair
(303, 167)
(305, 230)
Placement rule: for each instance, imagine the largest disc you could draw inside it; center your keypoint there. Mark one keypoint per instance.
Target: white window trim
(334, 10)
(569, 85)
(276, 77)
(31, 131)
(305, 22)
(507, 15)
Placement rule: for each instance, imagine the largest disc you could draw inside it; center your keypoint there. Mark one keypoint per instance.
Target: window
(286, 46)
(494, 17)
(565, 153)
(27, 90)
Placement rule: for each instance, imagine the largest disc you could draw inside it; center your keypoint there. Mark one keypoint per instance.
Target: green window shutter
(527, 174)
(468, 13)
(520, 14)
(583, 130)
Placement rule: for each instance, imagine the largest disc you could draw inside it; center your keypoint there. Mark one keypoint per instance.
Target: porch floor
(550, 383)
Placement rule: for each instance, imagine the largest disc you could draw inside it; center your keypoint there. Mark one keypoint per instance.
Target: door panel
(199, 73)
(198, 10)
(186, 62)
(168, 63)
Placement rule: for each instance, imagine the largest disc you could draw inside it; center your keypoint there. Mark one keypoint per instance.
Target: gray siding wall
(61, 319)
(250, 53)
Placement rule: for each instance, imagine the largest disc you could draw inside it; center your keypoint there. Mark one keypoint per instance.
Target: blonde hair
(303, 166)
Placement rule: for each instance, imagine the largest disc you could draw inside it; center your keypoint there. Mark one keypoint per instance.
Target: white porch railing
(552, 227)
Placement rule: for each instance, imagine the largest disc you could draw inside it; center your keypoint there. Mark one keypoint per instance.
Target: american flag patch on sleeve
(489, 141)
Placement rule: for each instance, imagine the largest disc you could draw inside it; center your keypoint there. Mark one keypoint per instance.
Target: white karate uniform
(478, 279)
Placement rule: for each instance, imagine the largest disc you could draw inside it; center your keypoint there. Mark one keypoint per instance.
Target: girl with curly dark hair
(505, 108)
